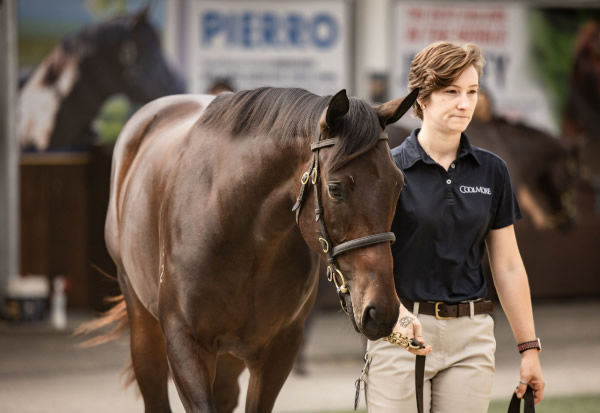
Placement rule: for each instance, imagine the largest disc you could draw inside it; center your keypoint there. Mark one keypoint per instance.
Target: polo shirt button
(448, 181)
(452, 166)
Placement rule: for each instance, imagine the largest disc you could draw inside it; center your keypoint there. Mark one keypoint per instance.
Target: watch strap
(529, 345)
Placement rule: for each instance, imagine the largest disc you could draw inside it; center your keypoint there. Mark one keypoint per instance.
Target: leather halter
(311, 176)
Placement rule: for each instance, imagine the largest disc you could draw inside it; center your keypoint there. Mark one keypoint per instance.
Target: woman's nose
(463, 101)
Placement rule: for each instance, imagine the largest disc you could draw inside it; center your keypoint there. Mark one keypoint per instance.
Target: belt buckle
(437, 311)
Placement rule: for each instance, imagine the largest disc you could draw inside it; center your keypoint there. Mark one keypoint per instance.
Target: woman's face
(450, 109)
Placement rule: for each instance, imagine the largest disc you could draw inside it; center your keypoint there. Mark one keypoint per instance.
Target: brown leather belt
(444, 311)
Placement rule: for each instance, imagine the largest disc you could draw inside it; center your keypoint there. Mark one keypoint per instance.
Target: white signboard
(499, 29)
(268, 43)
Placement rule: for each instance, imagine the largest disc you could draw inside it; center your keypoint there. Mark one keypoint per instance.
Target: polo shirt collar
(413, 151)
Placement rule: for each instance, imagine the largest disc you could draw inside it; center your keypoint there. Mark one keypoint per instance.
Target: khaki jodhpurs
(458, 372)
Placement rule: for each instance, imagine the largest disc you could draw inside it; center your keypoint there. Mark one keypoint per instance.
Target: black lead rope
(515, 402)
(419, 381)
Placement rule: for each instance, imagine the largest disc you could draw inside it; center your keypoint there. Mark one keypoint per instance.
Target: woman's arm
(512, 286)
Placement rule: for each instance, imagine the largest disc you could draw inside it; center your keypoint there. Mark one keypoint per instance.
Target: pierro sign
(267, 43)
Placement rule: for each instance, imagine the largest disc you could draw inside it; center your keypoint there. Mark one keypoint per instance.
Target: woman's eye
(335, 191)
(451, 91)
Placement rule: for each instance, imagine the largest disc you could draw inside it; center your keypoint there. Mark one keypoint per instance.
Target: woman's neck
(441, 147)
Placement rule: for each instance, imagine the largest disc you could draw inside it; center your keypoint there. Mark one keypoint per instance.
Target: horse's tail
(115, 316)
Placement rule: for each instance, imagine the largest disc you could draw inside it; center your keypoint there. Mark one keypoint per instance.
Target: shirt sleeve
(507, 207)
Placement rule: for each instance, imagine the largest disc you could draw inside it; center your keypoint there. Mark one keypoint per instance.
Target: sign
(501, 32)
(267, 43)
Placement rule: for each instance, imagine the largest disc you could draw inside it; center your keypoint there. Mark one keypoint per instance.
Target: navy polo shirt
(442, 219)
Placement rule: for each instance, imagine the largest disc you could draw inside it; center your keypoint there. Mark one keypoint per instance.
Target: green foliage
(553, 33)
(111, 118)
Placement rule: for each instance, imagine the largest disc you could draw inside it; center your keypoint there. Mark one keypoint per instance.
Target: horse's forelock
(358, 132)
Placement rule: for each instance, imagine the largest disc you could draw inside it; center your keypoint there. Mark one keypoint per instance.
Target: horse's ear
(338, 107)
(141, 16)
(393, 110)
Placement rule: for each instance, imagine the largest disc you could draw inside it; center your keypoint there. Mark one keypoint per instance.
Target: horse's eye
(128, 53)
(335, 191)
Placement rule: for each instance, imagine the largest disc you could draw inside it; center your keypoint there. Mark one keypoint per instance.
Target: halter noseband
(311, 176)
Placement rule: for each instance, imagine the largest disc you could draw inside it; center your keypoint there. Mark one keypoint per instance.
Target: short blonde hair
(438, 65)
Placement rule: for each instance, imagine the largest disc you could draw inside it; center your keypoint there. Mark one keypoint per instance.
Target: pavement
(42, 370)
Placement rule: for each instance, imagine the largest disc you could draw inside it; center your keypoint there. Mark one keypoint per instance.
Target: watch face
(539, 342)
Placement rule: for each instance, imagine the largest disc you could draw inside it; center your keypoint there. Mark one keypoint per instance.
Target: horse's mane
(107, 33)
(291, 113)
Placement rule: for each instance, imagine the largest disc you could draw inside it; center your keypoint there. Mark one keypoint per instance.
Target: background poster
(286, 44)
(501, 30)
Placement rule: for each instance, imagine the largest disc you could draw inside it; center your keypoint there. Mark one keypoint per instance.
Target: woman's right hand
(409, 325)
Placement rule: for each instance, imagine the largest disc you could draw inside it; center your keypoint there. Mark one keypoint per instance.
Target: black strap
(419, 381)
(363, 242)
(515, 402)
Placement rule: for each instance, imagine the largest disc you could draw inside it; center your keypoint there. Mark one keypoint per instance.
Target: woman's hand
(409, 326)
(531, 374)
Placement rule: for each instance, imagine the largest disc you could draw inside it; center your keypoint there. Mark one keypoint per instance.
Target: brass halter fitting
(335, 276)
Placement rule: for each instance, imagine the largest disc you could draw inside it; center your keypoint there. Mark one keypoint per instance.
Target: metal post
(9, 149)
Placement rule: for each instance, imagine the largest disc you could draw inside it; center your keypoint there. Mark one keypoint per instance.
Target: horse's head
(357, 184)
(135, 54)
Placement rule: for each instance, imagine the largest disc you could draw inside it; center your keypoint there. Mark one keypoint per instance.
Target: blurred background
(73, 71)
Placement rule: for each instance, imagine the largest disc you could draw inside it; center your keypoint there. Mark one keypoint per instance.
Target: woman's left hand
(531, 375)
(409, 326)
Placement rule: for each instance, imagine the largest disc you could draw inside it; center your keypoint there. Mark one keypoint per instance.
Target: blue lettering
(249, 29)
(270, 29)
(295, 29)
(211, 26)
(324, 31)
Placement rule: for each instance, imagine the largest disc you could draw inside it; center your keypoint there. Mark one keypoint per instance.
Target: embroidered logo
(464, 189)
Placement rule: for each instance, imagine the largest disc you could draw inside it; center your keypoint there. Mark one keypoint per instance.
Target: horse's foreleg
(192, 366)
(227, 388)
(148, 355)
(271, 369)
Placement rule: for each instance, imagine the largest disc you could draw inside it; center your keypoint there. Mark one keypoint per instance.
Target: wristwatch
(528, 345)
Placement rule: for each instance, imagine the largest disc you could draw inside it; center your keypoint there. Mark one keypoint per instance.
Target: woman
(457, 200)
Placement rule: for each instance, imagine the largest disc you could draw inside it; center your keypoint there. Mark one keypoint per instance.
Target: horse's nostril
(369, 322)
(372, 313)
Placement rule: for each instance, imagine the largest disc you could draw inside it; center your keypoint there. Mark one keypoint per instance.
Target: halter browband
(311, 176)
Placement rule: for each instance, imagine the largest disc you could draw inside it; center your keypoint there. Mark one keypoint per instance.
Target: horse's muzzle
(377, 322)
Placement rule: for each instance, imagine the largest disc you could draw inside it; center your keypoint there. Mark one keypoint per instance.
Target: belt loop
(416, 308)
(472, 309)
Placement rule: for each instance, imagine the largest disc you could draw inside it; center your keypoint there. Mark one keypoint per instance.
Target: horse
(544, 170)
(217, 248)
(61, 97)
(582, 109)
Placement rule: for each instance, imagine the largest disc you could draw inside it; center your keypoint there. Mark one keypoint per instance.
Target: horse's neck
(581, 115)
(78, 109)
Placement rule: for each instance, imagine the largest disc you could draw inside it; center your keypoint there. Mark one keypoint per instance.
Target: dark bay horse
(581, 113)
(58, 102)
(544, 170)
(217, 272)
